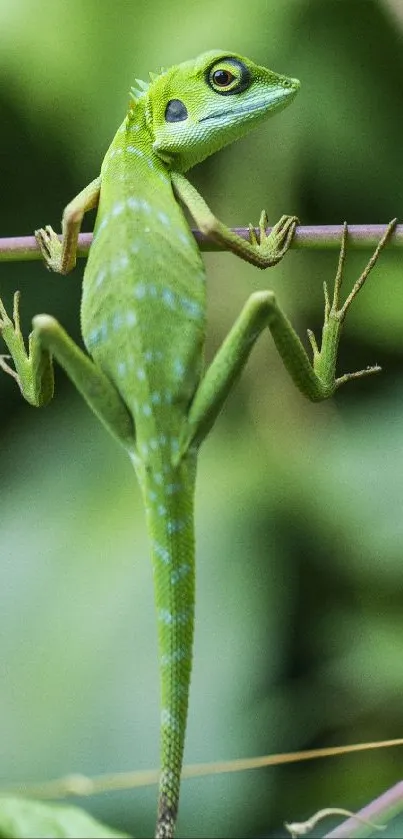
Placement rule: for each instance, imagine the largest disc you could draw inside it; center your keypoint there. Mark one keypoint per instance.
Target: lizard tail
(170, 519)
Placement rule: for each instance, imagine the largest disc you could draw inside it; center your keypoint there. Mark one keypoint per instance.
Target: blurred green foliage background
(299, 508)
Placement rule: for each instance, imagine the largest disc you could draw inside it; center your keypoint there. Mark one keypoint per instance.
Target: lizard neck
(131, 156)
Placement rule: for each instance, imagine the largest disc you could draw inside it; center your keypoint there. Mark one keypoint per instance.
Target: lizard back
(143, 307)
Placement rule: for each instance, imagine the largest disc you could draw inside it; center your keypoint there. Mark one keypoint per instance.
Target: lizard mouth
(228, 115)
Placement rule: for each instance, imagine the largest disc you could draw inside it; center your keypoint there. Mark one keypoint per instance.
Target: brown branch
(320, 237)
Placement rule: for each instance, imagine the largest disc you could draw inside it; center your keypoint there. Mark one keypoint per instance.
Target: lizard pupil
(222, 78)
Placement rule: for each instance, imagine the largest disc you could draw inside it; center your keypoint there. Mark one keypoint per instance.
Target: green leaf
(23, 819)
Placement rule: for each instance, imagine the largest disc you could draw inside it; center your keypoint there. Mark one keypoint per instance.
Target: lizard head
(198, 107)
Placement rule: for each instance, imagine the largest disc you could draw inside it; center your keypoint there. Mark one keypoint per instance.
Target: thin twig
(382, 809)
(320, 237)
(82, 785)
(298, 829)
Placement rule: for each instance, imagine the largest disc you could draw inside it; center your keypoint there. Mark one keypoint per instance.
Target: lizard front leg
(60, 256)
(268, 251)
(34, 370)
(317, 380)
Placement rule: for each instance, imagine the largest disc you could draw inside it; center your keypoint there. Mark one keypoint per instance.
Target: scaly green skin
(143, 324)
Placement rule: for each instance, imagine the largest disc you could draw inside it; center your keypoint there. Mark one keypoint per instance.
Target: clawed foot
(11, 334)
(51, 248)
(33, 368)
(273, 246)
(324, 359)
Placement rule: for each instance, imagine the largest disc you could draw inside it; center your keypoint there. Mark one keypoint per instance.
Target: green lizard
(143, 324)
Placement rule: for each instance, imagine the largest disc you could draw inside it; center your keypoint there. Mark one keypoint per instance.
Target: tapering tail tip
(166, 820)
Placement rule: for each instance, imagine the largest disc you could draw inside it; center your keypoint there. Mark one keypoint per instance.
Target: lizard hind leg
(95, 387)
(33, 369)
(316, 379)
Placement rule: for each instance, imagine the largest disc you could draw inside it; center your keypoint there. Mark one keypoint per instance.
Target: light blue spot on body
(93, 337)
(147, 410)
(180, 572)
(103, 331)
(162, 553)
(167, 777)
(191, 308)
(103, 223)
(172, 658)
(182, 689)
(141, 374)
(179, 367)
(183, 238)
(133, 203)
(118, 321)
(175, 526)
(181, 618)
(131, 318)
(164, 219)
(122, 368)
(97, 335)
(172, 489)
(137, 152)
(122, 263)
(117, 208)
(156, 398)
(168, 298)
(168, 720)
(140, 291)
(100, 277)
(150, 163)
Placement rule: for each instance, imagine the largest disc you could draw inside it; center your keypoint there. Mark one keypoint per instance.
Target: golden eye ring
(228, 76)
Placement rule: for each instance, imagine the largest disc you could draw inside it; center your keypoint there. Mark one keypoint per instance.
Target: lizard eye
(228, 76)
(222, 78)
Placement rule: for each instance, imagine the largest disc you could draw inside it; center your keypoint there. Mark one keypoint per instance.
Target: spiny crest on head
(136, 92)
(141, 88)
